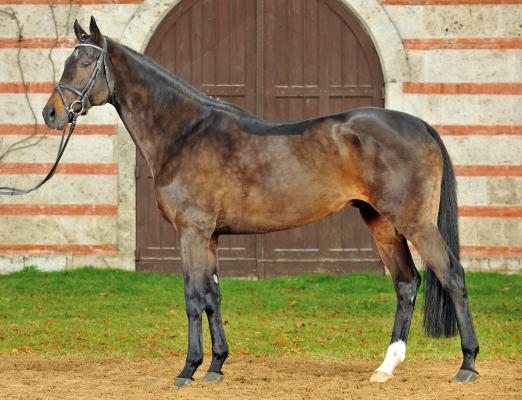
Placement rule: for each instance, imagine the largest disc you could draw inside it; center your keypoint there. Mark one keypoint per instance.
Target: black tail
(439, 314)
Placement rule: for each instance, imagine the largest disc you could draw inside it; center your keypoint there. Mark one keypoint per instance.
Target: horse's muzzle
(55, 118)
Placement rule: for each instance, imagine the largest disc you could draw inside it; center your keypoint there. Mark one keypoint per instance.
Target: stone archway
(371, 16)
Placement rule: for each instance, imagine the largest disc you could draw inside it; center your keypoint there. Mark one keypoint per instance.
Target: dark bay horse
(221, 170)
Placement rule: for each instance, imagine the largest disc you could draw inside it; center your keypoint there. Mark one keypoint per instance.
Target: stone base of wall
(67, 262)
(510, 265)
(493, 264)
(47, 263)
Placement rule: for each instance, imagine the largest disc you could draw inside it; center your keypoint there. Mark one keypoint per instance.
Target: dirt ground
(30, 377)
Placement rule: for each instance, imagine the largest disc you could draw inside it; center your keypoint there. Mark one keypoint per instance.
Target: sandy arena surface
(31, 377)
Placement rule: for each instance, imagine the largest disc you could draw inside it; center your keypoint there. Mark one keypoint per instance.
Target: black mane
(247, 121)
(183, 86)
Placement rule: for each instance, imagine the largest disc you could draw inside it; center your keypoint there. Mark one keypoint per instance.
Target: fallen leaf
(26, 349)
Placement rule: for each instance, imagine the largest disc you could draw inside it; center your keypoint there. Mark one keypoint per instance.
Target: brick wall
(85, 214)
(465, 60)
(456, 64)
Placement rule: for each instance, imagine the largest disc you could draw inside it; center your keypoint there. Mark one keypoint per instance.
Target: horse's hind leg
(395, 254)
(433, 250)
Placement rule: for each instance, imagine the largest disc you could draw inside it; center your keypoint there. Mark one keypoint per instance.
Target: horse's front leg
(199, 261)
(213, 310)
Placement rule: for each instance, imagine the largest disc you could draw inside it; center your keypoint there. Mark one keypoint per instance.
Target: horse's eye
(85, 64)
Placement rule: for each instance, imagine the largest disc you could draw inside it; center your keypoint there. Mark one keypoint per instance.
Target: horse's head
(85, 81)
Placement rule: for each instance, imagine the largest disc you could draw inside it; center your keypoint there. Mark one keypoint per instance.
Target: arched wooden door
(283, 60)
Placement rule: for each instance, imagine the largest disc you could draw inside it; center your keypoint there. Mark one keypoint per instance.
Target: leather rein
(73, 110)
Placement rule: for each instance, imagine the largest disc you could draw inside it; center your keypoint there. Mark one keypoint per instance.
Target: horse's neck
(154, 112)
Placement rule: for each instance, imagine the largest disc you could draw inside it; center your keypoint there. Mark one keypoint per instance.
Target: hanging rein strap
(12, 191)
(74, 110)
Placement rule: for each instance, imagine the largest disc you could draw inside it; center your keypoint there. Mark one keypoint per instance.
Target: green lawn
(116, 313)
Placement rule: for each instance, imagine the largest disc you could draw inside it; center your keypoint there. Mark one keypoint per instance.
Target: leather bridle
(83, 95)
(72, 111)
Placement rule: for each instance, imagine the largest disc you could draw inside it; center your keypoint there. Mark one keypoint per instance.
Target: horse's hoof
(182, 382)
(213, 377)
(465, 376)
(380, 377)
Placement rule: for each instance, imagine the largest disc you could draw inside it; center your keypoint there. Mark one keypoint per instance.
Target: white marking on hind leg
(395, 354)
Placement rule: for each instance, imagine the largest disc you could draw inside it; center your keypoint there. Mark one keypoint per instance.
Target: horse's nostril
(52, 113)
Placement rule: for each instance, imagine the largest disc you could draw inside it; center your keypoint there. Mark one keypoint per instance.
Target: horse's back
(252, 124)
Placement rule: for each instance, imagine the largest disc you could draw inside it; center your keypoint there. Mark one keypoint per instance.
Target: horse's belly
(263, 211)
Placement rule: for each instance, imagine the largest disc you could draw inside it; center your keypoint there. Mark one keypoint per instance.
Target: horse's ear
(81, 35)
(96, 35)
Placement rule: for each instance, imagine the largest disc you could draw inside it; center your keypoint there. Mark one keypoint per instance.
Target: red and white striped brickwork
(463, 74)
(465, 60)
(82, 216)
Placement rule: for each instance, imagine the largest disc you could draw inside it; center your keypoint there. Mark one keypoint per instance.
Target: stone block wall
(456, 64)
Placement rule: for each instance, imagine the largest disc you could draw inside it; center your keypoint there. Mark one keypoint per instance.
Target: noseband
(72, 111)
(83, 95)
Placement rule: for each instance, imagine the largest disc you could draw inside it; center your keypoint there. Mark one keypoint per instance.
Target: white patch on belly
(395, 354)
(215, 278)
